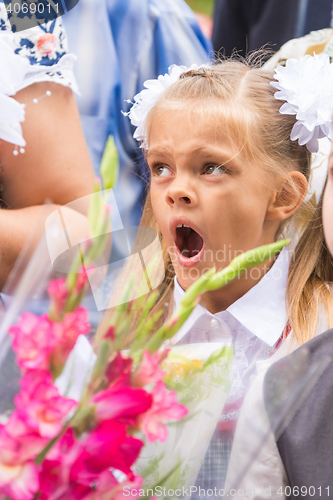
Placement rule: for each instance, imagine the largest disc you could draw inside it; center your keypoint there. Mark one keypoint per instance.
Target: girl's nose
(180, 195)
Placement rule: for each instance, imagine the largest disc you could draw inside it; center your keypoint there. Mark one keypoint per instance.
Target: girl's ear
(288, 198)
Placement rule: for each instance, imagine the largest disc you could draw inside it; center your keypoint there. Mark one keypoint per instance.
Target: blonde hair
(249, 113)
(310, 276)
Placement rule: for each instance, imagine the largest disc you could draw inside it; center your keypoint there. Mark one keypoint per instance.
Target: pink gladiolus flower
(119, 370)
(121, 403)
(110, 334)
(75, 470)
(55, 469)
(105, 447)
(40, 405)
(18, 442)
(164, 408)
(82, 279)
(18, 472)
(33, 341)
(19, 482)
(148, 372)
(66, 333)
(58, 293)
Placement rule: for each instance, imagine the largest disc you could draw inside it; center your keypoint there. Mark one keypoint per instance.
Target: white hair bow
(306, 84)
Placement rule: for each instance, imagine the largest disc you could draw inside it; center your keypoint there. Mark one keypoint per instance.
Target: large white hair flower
(307, 86)
(147, 98)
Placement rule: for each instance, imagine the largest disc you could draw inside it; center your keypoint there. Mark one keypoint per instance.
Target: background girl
(296, 459)
(55, 165)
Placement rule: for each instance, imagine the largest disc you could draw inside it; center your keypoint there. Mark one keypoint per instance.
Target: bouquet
(87, 419)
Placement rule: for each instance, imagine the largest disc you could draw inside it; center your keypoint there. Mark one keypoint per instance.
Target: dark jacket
(306, 441)
(246, 25)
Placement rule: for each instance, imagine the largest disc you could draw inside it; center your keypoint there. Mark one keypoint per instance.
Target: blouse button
(214, 323)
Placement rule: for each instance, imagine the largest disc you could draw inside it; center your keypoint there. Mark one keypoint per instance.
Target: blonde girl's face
(328, 205)
(209, 201)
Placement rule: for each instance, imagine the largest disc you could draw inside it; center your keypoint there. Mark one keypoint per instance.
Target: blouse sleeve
(45, 49)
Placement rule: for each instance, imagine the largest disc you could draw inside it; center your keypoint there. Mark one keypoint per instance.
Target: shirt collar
(262, 310)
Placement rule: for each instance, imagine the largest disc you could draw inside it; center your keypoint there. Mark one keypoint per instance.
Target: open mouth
(188, 241)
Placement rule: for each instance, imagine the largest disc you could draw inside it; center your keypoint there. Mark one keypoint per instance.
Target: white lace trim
(61, 73)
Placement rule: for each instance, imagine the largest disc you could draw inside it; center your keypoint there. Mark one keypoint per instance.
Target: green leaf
(110, 164)
(95, 210)
(197, 288)
(101, 362)
(163, 481)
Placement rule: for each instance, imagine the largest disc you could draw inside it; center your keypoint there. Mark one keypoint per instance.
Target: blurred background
(204, 10)
(203, 6)
(246, 25)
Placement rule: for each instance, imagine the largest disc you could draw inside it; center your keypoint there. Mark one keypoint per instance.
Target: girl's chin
(187, 276)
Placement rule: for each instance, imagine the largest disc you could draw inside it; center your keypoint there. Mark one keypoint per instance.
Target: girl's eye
(161, 170)
(214, 170)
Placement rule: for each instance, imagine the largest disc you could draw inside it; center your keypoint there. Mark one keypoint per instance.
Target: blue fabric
(120, 44)
(213, 471)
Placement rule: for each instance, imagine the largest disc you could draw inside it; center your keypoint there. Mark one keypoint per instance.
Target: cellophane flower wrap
(82, 414)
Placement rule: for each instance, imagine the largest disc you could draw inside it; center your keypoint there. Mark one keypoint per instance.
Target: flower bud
(245, 260)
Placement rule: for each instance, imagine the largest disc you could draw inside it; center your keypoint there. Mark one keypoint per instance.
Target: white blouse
(252, 325)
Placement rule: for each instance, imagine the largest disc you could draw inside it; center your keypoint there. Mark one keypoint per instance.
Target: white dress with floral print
(43, 46)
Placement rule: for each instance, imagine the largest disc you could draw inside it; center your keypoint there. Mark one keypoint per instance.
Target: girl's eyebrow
(224, 156)
(157, 151)
(200, 149)
(211, 153)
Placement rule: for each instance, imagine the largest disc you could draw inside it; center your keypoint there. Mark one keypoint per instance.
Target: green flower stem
(83, 419)
(74, 300)
(98, 243)
(197, 288)
(169, 329)
(73, 272)
(186, 306)
(143, 331)
(101, 362)
(99, 228)
(122, 330)
(110, 164)
(95, 208)
(40, 458)
(98, 372)
(104, 222)
(211, 281)
(244, 261)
